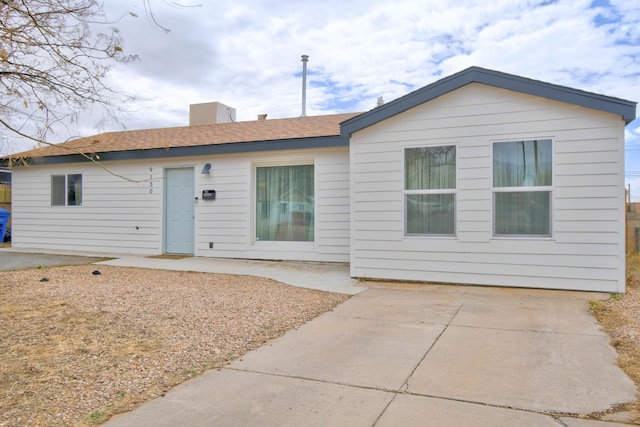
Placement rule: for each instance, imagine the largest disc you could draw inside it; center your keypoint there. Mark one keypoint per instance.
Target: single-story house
(481, 178)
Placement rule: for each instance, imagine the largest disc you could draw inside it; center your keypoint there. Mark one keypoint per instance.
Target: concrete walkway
(415, 355)
(15, 260)
(327, 277)
(332, 277)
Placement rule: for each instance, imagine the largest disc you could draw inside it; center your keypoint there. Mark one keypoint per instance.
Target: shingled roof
(298, 128)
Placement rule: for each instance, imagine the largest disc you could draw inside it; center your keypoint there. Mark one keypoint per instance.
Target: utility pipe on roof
(305, 59)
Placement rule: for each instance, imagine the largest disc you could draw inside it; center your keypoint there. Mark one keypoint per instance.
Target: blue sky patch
(610, 15)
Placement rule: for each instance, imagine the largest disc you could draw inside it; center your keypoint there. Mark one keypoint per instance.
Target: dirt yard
(78, 347)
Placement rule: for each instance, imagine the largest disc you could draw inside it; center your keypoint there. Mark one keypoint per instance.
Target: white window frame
(66, 190)
(550, 189)
(254, 200)
(453, 191)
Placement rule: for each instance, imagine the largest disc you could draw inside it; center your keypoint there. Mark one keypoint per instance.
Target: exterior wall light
(206, 169)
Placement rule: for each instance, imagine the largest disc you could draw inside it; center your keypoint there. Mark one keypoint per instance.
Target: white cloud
(246, 53)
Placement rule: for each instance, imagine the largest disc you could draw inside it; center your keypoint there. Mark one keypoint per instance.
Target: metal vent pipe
(305, 59)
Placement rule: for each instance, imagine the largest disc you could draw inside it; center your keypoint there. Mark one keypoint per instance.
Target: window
(285, 203)
(522, 188)
(430, 190)
(66, 190)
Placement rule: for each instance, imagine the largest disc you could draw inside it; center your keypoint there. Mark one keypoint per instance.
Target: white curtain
(516, 165)
(428, 169)
(522, 163)
(285, 203)
(58, 190)
(431, 214)
(74, 190)
(522, 213)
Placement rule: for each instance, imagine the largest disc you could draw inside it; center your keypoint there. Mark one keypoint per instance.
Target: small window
(285, 203)
(522, 188)
(430, 190)
(66, 190)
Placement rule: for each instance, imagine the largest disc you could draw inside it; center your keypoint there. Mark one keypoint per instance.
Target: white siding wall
(229, 221)
(113, 207)
(586, 250)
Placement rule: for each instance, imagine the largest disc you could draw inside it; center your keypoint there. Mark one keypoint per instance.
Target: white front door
(179, 211)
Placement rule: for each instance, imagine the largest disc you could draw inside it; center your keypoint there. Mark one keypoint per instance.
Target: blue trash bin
(4, 219)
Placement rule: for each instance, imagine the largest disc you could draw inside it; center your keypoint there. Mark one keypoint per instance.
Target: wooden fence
(633, 223)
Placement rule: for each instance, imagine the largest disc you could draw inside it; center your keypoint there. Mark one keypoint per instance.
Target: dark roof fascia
(199, 150)
(626, 109)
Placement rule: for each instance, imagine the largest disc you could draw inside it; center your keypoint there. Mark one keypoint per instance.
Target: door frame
(165, 209)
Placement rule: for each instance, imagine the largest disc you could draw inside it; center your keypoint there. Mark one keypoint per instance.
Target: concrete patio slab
(402, 306)
(523, 369)
(408, 410)
(343, 350)
(544, 314)
(234, 398)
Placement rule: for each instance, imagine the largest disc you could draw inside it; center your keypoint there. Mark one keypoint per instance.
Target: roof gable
(626, 109)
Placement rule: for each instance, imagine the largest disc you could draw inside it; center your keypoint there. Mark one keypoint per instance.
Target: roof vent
(262, 117)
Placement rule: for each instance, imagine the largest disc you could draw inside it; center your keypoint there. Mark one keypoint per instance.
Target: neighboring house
(481, 177)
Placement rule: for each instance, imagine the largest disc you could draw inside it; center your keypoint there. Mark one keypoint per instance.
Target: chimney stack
(262, 117)
(305, 59)
(210, 113)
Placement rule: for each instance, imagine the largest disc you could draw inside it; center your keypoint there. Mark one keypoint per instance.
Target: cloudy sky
(246, 53)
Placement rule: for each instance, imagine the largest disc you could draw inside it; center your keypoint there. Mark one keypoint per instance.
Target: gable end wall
(586, 250)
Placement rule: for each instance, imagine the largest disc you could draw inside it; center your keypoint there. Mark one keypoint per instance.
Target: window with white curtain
(522, 188)
(285, 203)
(66, 190)
(430, 190)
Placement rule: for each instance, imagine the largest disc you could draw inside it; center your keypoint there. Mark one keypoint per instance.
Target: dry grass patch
(620, 318)
(80, 347)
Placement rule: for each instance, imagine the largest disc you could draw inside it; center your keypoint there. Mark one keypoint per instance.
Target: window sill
(524, 237)
(282, 242)
(430, 236)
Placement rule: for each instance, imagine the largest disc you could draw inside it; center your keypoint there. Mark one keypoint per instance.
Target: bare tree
(54, 56)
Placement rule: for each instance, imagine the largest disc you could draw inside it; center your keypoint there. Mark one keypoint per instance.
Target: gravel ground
(620, 318)
(79, 347)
